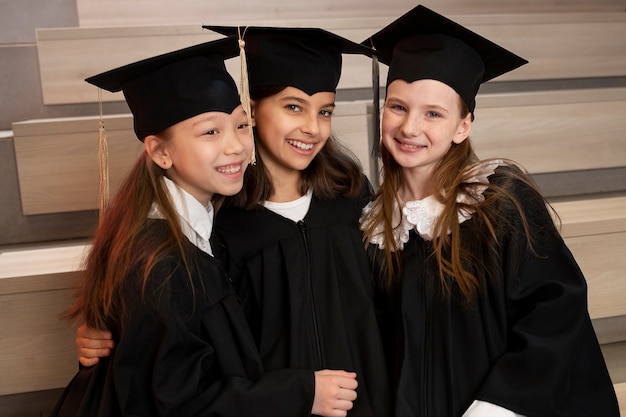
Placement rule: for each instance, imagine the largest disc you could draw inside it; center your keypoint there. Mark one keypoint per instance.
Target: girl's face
(206, 154)
(420, 122)
(292, 127)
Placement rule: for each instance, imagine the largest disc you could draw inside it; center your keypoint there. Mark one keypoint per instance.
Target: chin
(231, 190)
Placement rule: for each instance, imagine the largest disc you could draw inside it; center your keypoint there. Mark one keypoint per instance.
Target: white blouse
(196, 220)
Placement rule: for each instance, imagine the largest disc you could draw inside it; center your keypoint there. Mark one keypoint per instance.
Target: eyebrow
(203, 119)
(396, 100)
(304, 101)
(436, 106)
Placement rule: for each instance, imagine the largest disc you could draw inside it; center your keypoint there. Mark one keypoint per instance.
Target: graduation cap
(423, 44)
(305, 58)
(166, 89)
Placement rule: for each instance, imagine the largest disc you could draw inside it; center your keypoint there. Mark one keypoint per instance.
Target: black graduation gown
(308, 290)
(526, 341)
(185, 353)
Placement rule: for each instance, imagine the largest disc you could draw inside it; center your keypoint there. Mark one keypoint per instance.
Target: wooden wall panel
(69, 55)
(57, 161)
(57, 158)
(148, 12)
(351, 125)
(565, 47)
(581, 132)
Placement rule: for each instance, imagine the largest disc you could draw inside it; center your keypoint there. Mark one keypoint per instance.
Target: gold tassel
(103, 163)
(245, 89)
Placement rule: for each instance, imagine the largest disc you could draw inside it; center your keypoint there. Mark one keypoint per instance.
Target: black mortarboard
(306, 58)
(166, 89)
(423, 44)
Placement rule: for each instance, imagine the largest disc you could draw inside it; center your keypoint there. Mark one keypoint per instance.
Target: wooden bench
(595, 231)
(620, 390)
(37, 349)
(558, 46)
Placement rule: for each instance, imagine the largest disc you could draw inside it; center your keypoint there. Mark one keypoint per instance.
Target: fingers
(90, 333)
(341, 409)
(335, 392)
(92, 344)
(343, 379)
(88, 361)
(337, 373)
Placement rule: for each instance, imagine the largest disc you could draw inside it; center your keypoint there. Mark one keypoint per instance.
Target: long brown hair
(121, 249)
(454, 259)
(334, 171)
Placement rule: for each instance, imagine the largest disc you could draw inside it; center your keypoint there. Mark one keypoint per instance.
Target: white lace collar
(421, 215)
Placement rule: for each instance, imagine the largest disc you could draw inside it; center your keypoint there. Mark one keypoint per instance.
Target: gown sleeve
(552, 364)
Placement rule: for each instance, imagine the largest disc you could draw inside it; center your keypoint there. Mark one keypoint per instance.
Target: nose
(310, 124)
(410, 125)
(236, 141)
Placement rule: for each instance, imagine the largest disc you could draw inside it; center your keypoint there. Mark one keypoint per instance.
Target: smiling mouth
(230, 169)
(300, 145)
(410, 146)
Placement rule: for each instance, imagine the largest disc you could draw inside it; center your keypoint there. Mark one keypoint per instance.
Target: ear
(157, 150)
(464, 129)
(252, 112)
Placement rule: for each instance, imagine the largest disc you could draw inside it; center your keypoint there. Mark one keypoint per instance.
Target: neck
(285, 181)
(286, 187)
(416, 185)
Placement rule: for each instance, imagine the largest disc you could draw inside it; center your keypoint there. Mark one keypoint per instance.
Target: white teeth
(408, 145)
(300, 145)
(230, 169)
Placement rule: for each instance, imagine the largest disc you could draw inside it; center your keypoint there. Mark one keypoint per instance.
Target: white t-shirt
(294, 210)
